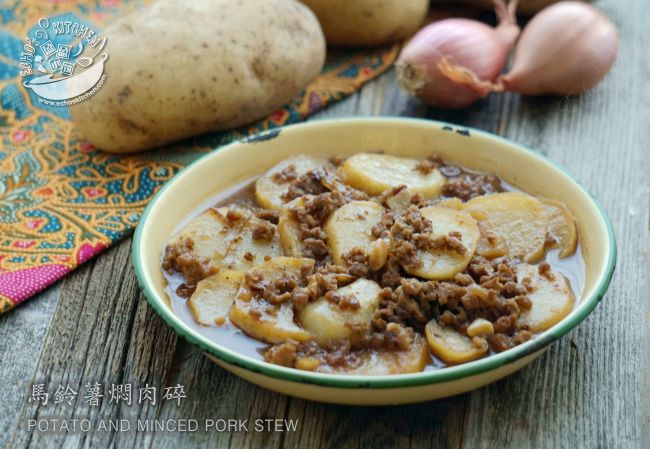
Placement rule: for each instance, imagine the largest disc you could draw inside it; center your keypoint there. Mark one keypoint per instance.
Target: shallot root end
(412, 77)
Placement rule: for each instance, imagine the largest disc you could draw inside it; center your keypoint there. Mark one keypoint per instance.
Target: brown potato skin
(177, 69)
(366, 23)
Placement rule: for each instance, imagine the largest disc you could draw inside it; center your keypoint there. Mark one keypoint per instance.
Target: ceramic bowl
(189, 192)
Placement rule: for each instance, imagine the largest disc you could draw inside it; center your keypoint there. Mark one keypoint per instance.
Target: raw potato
(451, 346)
(211, 301)
(352, 23)
(375, 173)
(178, 69)
(268, 193)
(519, 219)
(350, 226)
(266, 322)
(562, 226)
(211, 234)
(443, 264)
(327, 321)
(552, 299)
(244, 243)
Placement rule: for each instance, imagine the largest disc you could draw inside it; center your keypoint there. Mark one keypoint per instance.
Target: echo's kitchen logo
(63, 62)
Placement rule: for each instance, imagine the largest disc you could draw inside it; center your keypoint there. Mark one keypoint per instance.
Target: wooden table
(590, 390)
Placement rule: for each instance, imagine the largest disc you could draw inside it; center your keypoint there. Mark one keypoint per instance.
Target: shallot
(476, 47)
(565, 49)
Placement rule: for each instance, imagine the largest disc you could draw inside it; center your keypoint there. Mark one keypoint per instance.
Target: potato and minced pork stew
(373, 265)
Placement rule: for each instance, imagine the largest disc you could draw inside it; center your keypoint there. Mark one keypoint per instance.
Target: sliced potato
(451, 203)
(381, 362)
(451, 346)
(552, 298)
(441, 263)
(562, 226)
(375, 173)
(480, 327)
(400, 201)
(289, 237)
(491, 244)
(351, 226)
(268, 191)
(272, 324)
(245, 252)
(211, 234)
(327, 321)
(211, 301)
(288, 230)
(264, 321)
(377, 363)
(227, 242)
(518, 218)
(277, 266)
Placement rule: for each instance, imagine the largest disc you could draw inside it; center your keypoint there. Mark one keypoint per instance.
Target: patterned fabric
(61, 201)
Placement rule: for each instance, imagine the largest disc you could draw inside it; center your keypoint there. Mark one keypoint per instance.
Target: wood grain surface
(590, 390)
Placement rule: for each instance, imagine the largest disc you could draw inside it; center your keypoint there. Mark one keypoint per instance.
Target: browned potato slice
(288, 229)
(350, 226)
(561, 226)
(441, 263)
(264, 321)
(451, 203)
(451, 346)
(377, 363)
(552, 298)
(382, 362)
(211, 234)
(211, 301)
(277, 266)
(375, 173)
(268, 191)
(400, 201)
(254, 318)
(327, 321)
(289, 237)
(491, 245)
(480, 327)
(519, 219)
(245, 251)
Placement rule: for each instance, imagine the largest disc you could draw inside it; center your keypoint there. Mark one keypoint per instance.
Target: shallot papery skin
(565, 49)
(463, 43)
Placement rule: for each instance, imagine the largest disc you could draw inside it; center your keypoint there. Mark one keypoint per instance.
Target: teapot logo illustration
(63, 72)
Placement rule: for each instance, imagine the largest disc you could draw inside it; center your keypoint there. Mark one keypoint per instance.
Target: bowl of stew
(373, 261)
